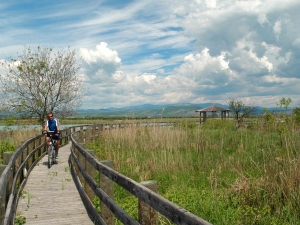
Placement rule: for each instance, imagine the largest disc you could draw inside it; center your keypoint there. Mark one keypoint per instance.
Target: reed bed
(11, 139)
(222, 174)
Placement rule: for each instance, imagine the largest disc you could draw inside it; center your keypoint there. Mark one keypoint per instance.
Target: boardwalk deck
(50, 195)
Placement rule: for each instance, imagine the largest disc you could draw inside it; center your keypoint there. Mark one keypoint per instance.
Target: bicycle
(51, 150)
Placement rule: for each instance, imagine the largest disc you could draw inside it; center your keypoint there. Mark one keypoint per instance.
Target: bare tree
(240, 110)
(42, 80)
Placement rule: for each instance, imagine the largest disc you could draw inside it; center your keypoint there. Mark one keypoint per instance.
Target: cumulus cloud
(245, 61)
(205, 69)
(101, 64)
(204, 51)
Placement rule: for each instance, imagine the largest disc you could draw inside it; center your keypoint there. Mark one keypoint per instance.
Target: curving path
(50, 195)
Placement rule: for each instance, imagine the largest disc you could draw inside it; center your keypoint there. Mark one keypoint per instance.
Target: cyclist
(53, 125)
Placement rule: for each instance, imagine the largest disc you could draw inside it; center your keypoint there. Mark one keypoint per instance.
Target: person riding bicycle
(53, 125)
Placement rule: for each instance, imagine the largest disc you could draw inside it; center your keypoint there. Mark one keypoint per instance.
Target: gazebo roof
(213, 108)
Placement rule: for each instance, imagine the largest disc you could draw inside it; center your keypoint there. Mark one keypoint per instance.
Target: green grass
(222, 174)
(5, 146)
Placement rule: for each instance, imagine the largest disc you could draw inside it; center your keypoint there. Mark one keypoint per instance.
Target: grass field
(222, 174)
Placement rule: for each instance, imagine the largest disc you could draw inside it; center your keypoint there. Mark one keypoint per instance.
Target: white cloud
(205, 69)
(277, 29)
(245, 61)
(262, 18)
(296, 42)
(101, 64)
(275, 79)
(172, 51)
(211, 3)
(102, 54)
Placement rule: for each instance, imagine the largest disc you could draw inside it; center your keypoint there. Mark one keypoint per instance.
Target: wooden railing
(83, 168)
(17, 169)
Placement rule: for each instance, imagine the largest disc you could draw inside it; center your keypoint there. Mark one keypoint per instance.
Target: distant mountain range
(154, 111)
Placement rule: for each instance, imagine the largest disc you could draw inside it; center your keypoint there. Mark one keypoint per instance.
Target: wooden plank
(50, 195)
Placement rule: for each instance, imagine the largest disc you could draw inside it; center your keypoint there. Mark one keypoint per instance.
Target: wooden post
(3, 203)
(72, 163)
(6, 158)
(39, 142)
(97, 130)
(81, 135)
(2, 168)
(63, 136)
(23, 157)
(75, 136)
(34, 156)
(91, 171)
(66, 135)
(200, 118)
(147, 215)
(107, 185)
(81, 160)
(18, 162)
(93, 133)
(88, 136)
(43, 140)
(29, 149)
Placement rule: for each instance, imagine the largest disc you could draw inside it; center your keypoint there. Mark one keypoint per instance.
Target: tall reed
(11, 139)
(223, 174)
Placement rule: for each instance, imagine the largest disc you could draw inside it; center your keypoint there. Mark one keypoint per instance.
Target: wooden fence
(83, 167)
(17, 168)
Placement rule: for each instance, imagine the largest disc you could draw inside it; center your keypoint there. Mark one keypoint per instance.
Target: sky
(166, 51)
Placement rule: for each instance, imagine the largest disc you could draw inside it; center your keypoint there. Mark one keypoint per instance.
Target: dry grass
(11, 139)
(252, 171)
(16, 137)
(250, 174)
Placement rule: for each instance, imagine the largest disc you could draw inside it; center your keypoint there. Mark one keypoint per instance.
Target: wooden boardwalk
(50, 195)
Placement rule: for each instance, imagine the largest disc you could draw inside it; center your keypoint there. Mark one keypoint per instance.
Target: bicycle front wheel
(49, 156)
(53, 156)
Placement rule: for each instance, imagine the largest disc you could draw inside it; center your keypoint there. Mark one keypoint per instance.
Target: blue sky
(167, 51)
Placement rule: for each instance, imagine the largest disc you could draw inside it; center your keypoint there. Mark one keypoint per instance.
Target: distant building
(214, 111)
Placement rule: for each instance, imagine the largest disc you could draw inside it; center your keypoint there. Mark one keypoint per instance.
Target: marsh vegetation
(223, 174)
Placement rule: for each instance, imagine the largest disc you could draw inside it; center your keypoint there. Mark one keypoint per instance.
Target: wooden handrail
(13, 171)
(167, 208)
(10, 191)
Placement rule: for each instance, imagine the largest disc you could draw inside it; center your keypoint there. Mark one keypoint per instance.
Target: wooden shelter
(213, 109)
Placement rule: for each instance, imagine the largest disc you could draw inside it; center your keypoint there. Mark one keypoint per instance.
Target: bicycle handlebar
(50, 133)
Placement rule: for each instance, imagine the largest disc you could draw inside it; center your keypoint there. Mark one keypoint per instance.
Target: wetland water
(32, 127)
